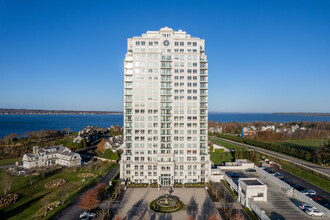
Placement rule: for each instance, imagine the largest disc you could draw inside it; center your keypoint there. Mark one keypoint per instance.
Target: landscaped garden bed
(194, 185)
(138, 185)
(153, 185)
(85, 175)
(8, 199)
(178, 185)
(162, 209)
(55, 183)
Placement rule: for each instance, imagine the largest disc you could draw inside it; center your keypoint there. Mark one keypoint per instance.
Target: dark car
(250, 170)
(298, 187)
(268, 170)
(324, 203)
(290, 182)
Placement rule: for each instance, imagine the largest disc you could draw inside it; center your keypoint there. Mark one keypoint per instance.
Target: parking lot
(278, 205)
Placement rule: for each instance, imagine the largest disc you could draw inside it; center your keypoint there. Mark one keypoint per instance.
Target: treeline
(12, 146)
(295, 151)
(314, 130)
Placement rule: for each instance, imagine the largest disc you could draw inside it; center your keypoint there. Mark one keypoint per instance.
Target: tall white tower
(165, 109)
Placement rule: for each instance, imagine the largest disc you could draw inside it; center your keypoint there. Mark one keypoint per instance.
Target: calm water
(22, 123)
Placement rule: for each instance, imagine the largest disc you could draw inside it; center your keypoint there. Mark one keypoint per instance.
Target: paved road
(72, 211)
(323, 170)
(7, 165)
(307, 185)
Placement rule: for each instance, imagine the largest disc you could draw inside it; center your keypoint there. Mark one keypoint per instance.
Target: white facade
(165, 109)
(251, 188)
(56, 155)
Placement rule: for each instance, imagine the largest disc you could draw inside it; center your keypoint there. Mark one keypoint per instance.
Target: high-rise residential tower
(165, 109)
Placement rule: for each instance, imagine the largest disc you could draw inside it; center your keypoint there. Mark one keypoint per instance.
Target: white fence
(261, 213)
(274, 179)
(231, 183)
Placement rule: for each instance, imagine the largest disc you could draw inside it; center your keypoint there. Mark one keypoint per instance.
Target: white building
(56, 155)
(251, 188)
(165, 109)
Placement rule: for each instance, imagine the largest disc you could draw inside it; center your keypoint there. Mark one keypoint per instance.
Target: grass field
(311, 144)
(10, 161)
(30, 200)
(218, 158)
(310, 177)
(226, 144)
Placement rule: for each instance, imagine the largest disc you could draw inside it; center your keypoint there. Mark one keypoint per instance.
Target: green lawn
(226, 144)
(311, 144)
(10, 161)
(29, 202)
(218, 158)
(314, 179)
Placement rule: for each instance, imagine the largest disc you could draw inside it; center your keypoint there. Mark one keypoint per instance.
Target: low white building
(251, 188)
(55, 155)
(239, 164)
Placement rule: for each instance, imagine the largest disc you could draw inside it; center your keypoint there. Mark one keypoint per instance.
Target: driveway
(72, 211)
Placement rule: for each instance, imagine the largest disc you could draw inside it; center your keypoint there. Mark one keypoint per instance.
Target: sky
(264, 56)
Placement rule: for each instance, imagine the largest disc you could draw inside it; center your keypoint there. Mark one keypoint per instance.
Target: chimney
(35, 150)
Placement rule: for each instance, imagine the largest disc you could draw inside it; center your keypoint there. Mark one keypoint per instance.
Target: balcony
(166, 100)
(166, 66)
(203, 106)
(203, 86)
(165, 72)
(166, 86)
(203, 66)
(165, 106)
(203, 79)
(166, 79)
(166, 58)
(203, 60)
(203, 99)
(204, 72)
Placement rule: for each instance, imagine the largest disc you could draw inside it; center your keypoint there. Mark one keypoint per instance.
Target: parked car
(87, 215)
(316, 198)
(231, 174)
(298, 187)
(269, 170)
(290, 182)
(278, 175)
(314, 212)
(250, 170)
(308, 192)
(324, 203)
(304, 206)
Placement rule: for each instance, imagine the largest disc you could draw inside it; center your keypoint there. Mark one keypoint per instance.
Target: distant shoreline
(55, 112)
(303, 113)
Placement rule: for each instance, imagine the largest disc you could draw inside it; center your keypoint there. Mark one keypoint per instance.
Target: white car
(308, 192)
(304, 206)
(314, 212)
(87, 215)
(278, 175)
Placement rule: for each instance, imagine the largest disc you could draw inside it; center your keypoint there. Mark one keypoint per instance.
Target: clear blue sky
(264, 56)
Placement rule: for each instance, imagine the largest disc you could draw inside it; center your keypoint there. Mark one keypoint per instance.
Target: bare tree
(6, 183)
(31, 179)
(45, 202)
